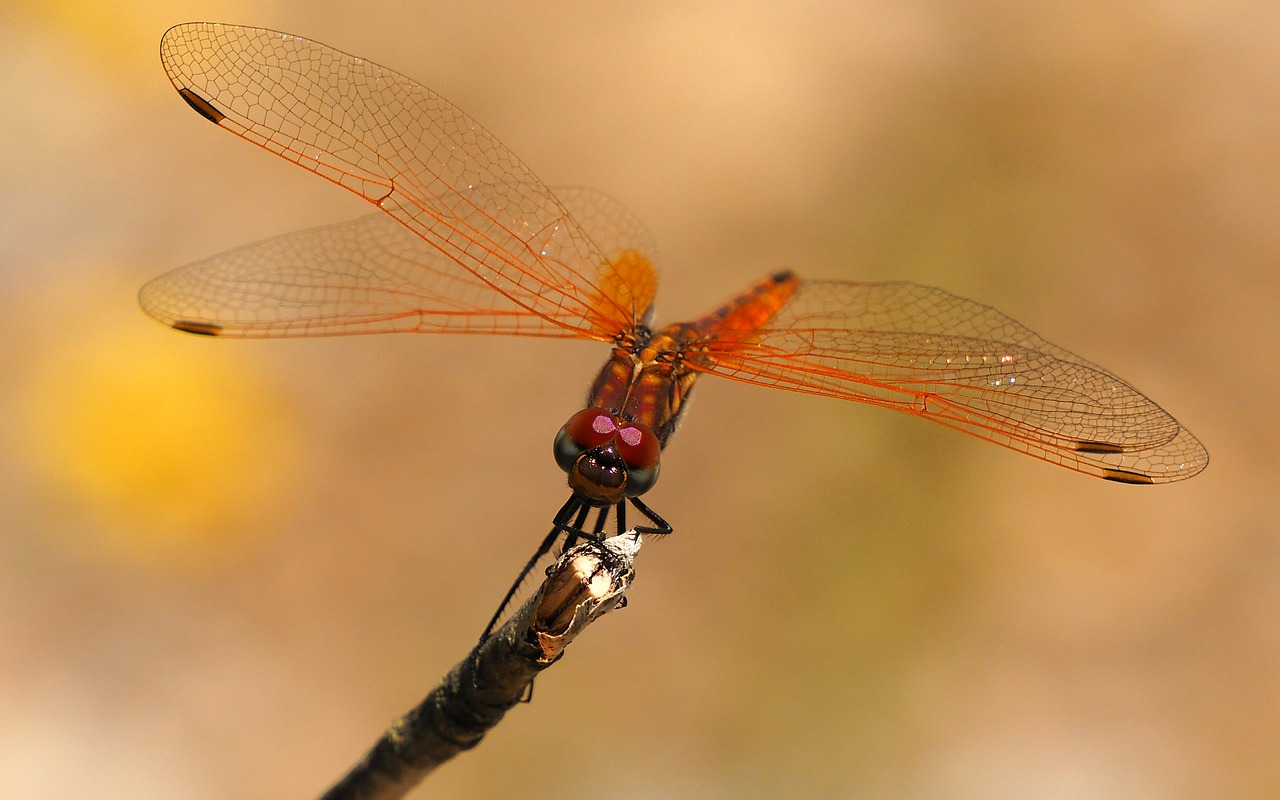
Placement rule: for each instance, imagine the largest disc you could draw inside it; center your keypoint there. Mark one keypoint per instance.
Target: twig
(585, 583)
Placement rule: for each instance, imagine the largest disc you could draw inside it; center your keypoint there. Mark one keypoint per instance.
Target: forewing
(926, 352)
(418, 158)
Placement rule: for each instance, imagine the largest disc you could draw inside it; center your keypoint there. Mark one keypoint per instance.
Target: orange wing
(926, 352)
(369, 275)
(467, 198)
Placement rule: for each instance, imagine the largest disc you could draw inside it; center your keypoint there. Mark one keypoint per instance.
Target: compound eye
(638, 445)
(641, 480)
(591, 427)
(566, 450)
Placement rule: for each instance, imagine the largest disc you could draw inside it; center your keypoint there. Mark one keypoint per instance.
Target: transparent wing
(926, 352)
(368, 275)
(418, 158)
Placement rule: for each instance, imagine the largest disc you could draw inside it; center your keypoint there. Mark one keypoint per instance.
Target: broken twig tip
(587, 582)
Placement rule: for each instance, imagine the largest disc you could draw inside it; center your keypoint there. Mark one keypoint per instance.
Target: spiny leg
(663, 527)
(573, 505)
(576, 531)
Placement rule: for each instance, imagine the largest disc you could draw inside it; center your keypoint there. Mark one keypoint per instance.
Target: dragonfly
(468, 240)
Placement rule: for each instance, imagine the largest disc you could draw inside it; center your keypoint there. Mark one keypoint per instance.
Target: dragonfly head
(606, 457)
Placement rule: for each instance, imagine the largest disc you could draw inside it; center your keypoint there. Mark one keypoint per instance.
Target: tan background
(225, 566)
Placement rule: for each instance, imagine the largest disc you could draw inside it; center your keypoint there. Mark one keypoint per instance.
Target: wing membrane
(968, 366)
(368, 275)
(418, 158)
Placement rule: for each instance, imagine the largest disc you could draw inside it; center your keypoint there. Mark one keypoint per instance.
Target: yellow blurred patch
(168, 444)
(122, 37)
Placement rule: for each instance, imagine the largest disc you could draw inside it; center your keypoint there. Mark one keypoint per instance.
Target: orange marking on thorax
(625, 289)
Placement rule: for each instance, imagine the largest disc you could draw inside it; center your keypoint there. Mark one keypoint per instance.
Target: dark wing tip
(1124, 476)
(1097, 448)
(199, 328)
(202, 107)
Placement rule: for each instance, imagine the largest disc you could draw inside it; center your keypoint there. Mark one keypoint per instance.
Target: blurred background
(225, 566)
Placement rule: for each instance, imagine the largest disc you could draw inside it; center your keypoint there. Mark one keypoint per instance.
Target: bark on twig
(586, 583)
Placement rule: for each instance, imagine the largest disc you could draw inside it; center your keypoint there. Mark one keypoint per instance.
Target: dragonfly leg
(560, 525)
(662, 526)
(576, 531)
